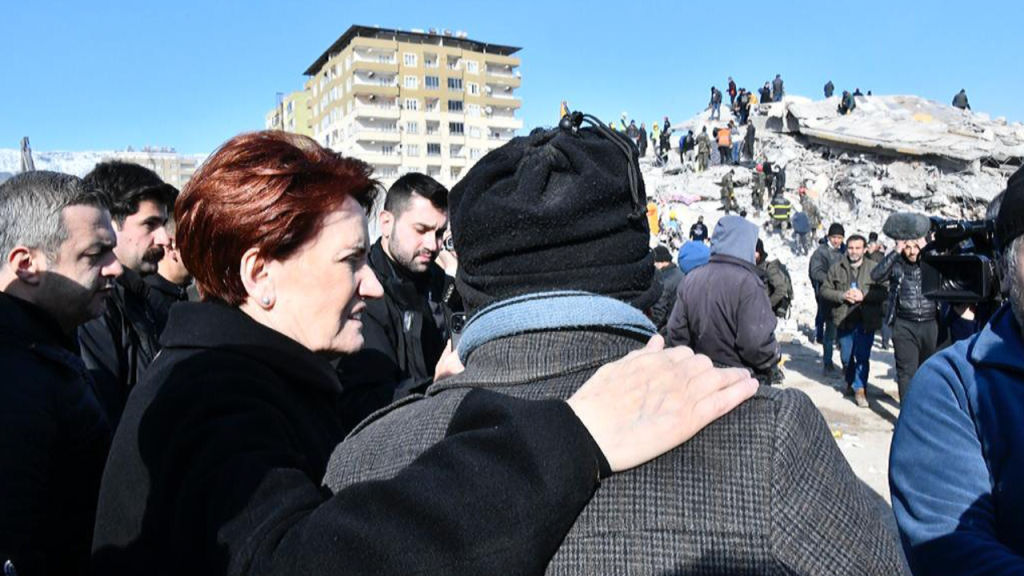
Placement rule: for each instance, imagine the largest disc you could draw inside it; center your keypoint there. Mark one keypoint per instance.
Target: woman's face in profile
(321, 289)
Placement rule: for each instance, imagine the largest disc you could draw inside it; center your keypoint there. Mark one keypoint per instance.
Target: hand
(856, 295)
(848, 296)
(653, 400)
(900, 245)
(449, 364)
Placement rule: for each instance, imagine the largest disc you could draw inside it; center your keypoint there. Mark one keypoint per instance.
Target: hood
(693, 255)
(735, 236)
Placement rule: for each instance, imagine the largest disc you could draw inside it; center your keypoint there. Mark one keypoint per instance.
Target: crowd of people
(234, 380)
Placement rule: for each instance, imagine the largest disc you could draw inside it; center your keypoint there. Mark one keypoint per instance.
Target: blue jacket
(956, 470)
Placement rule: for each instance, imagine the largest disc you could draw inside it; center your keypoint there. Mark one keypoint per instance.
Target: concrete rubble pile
(892, 154)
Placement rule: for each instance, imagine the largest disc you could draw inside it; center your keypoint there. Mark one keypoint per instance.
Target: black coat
(218, 463)
(722, 311)
(906, 296)
(54, 438)
(162, 294)
(118, 346)
(404, 334)
(670, 277)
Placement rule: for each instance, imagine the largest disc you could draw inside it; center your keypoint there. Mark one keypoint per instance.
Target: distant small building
(292, 114)
(173, 168)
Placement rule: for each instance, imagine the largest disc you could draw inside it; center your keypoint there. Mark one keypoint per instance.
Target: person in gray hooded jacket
(722, 309)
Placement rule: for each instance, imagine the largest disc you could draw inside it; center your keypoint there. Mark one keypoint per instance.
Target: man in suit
(763, 490)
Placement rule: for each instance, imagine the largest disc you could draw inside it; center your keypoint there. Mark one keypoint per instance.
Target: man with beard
(171, 282)
(406, 331)
(118, 346)
(958, 451)
(914, 318)
(58, 267)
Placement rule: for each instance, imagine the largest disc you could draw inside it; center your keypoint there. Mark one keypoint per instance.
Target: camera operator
(958, 451)
(915, 327)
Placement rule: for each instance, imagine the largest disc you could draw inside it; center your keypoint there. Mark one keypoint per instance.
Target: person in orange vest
(724, 144)
(652, 218)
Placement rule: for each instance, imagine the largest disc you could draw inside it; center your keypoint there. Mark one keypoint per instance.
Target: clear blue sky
(106, 74)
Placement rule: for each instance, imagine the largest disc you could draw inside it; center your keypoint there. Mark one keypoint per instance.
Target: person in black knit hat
(555, 267)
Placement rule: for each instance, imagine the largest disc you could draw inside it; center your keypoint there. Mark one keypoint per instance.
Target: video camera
(959, 265)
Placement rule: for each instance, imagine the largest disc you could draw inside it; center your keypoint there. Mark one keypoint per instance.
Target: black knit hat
(836, 229)
(1010, 222)
(662, 254)
(555, 210)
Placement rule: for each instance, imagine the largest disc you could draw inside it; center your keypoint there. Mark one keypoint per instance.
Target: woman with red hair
(217, 465)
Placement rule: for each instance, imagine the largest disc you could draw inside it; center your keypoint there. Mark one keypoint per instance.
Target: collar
(20, 318)
(999, 344)
(161, 284)
(726, 259)
(558, 310)
(400, 286)
(132, 282)
(216, 326)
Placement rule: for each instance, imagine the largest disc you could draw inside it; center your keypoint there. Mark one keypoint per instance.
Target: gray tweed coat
(763, 490)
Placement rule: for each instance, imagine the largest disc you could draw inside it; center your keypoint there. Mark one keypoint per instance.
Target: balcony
(508, 122)
(375, 157)
(360, 89)
(504, 79)
(372, 112)
(372, 135)
(500, 102)
(374, 66)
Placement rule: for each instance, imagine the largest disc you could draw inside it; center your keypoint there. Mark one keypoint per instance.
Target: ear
(386, 220)
(28, 264)
(257, 280)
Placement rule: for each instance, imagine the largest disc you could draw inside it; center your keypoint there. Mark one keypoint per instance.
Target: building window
(433, 104)
(412, 127)
(456, 128)
(455, 84)
(455, 105)
(430, 60)
(433, 149)
(388, 172)
(412, 150)
(431, 82)
(473, 89)
(474, 153)
(474, 131)
(410, 59)
(455, 151)
(432, 128)
(473, 110)
(412, 104)
(453, 62)
(387, 149)
(348, 62)
(412, 82)
(472, 67)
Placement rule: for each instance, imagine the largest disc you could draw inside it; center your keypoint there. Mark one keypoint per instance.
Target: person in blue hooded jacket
(957, 461)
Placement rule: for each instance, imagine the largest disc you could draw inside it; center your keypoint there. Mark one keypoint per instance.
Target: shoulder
(391, 438)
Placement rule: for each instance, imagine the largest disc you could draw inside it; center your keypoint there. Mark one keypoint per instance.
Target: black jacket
(670, 277)
(218, 463)
(722, 311)
(404, 334)
(162, 294)
(821, 261)
(118, 346)
(906, 297)
(54, 438)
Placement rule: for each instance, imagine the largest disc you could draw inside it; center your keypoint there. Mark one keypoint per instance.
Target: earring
(266, 300)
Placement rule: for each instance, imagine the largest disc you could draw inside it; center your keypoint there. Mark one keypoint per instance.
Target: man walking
(732, 93)
(724, 145)
(857, 313)
(827, 255)
(715, 104)
(58, 267)
(118, 346)
(757, 194)
(703, 150)
(914, 318)
(728, 194)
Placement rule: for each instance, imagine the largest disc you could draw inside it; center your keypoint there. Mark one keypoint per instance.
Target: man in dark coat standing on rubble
(829, 89)
(960, 100)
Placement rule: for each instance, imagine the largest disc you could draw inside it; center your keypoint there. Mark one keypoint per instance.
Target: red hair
(270, 190)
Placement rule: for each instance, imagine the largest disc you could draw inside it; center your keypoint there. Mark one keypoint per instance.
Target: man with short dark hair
(406, 331)
(857, 314)
(699, 230)
(958, 450)
(118, 346)
(776, 283)
(57, 267)
(171, 282)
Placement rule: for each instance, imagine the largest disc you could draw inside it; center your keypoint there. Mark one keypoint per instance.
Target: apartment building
(291, 114)
(414, 101)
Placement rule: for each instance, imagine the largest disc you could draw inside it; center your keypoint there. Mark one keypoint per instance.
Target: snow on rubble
(891, 154)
